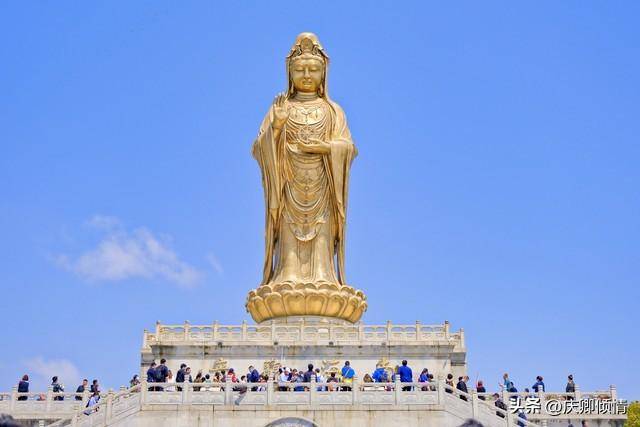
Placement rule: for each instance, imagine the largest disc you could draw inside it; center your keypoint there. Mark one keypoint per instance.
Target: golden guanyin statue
(304, 149)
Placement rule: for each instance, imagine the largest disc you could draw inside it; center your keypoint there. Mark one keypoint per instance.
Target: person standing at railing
(506, 382)
(449, 382)
(81, 389)
(23, 386)
(93, 401)
(57, 388)
(283, 377)
(539, 385)
(480, 389)
(379, 373)
(571, 387)
(151, 372)
(162, 372)
(499, 403)
(522, 416)
(134, 381)
(406, 375)
(332, 379)
(309, 374)
(462, 386)
(347, 375)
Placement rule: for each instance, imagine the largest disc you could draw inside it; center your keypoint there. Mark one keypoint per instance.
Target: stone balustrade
(304, 396)
(302, 331)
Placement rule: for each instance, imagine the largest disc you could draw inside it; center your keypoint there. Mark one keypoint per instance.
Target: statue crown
(307, 45)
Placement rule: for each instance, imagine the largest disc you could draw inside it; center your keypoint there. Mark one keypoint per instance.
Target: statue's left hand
(316, 146)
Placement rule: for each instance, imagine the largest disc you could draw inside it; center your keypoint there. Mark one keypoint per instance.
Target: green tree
(633, 415)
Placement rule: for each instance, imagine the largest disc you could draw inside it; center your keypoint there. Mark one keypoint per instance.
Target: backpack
(159, 374)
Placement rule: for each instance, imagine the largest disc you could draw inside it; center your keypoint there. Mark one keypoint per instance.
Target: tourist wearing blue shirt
(539, 385)
(406, 375)
(379, 375)
(347, 375)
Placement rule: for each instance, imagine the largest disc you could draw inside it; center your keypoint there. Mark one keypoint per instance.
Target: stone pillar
(270, 392)
(109, 409)
(355, 391)
(143, 391)
(312, 390)
(398, 389)
(577, 394)
(475, 410)
(186, 392)
(49, 398)
(613, 391)
(14, 397)
(440, 387)
(447, 329)
(228, 391)
(186, 330)
(244, 330)
(85, 397)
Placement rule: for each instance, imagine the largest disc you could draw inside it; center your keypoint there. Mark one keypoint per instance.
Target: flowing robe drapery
(275, 158)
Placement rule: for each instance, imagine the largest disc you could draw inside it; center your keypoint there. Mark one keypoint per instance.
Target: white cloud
(123, 254)
(41, 371)
(215, 263)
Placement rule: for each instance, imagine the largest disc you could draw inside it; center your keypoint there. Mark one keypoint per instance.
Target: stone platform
(296, 342)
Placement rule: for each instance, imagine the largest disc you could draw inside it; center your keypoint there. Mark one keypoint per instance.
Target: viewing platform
(432, 404)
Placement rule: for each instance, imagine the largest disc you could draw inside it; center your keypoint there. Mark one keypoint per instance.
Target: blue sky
(496, 185)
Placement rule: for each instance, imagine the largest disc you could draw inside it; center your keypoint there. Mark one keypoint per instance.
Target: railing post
(577, 393)
(510, 416)
(389, 327)
(185, 391)
(360, 331)
(447, 329)
(186, 330)
(157, 330)
(312, 390)
(244, 330)
(613, 391)
(418, 330)
(143, 390)
(507, 402)
(474, 403)
(215, 330)
(14, 397)
(541, 395)
(397, 389)
(440, 387)
(270, 391)
(228, 392)
(85, 397)
(49, 398)
(355, 391)
(109, 413)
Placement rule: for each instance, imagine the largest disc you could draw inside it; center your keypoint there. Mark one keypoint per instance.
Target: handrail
(302, 331)
(316, 394)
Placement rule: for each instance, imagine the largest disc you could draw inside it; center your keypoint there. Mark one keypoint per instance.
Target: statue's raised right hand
(280, 112)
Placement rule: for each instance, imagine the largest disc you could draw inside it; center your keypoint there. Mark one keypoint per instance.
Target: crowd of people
(291, 379)
(161, 378)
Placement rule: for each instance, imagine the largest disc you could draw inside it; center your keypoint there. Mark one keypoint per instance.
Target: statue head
(307, 66)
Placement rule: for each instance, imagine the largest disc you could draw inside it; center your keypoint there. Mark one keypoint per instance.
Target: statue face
(307, 74)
